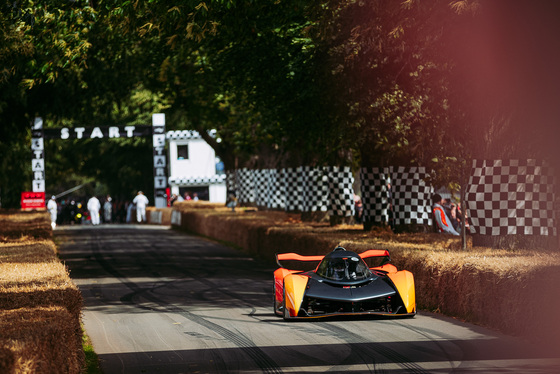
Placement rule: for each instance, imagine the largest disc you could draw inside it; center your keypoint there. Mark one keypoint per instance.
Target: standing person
(140, 201)
(443, 222)
(231, 201)
(358, 209)
(52, 206)
(129, 206)
(108, 210)
(94, 206)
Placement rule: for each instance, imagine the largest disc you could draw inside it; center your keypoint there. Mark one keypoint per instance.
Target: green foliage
(284, 83)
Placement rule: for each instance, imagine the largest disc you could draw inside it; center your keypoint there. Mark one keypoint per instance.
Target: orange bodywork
(295, 288)
(374, 253)
(279, 275)
(404, 281)
(296, 257)
(389, 268)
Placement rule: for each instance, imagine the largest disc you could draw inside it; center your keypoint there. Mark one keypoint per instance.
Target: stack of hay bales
(40, 306)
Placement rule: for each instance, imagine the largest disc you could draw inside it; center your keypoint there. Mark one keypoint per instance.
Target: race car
(342, 284)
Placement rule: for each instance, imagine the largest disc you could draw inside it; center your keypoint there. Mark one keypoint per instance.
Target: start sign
(156, 131)
(99, 132)
(32, 200)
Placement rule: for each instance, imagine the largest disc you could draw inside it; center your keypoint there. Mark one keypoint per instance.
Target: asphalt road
(160, 301)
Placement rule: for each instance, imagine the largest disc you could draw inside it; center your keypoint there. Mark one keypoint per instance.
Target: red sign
(33, 200)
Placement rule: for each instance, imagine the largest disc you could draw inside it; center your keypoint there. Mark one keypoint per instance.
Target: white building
(194, 167)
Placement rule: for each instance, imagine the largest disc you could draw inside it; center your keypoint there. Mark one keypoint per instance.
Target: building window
(183, 152)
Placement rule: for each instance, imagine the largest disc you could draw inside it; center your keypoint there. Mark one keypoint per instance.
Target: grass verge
(92, 360)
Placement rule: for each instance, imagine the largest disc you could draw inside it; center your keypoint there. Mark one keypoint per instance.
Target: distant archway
(156, 130)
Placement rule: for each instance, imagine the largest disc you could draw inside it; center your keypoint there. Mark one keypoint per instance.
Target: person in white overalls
(94, 206)
(52, 206)
(141, 201)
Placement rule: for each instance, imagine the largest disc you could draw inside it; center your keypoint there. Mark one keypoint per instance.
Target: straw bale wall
(40, 340)
(40, 306)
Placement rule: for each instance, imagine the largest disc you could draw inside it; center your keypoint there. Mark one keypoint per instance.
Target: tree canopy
(284, 83)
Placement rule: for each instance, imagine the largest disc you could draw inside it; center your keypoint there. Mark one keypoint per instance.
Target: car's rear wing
(375, 253)
(376, 258)
(295, 257)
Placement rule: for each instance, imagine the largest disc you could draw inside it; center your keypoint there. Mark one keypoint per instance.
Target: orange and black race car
(343, 284)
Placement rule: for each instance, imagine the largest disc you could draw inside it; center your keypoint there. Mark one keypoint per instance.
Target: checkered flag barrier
(341, 192)
(261, 179)
(275, 198)
(314, 181)
(411, 196)
(292, 194)
(245, 182)
(375, 194)
(304, 189)
(511, 197)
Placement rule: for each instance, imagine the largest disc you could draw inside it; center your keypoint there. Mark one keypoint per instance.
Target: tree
(37, 45)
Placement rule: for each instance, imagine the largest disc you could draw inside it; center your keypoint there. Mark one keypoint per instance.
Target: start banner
(32, 200)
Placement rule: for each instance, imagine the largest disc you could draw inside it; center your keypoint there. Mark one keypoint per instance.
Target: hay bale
(28, 251)
(159, 216)
(68, 297)
(18, 224)
(198, 205)
(40, 340)
(27, 280)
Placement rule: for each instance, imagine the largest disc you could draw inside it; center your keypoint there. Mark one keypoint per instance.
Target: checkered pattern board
(511, 197)
(290, 189)
(261, 180)
(341, 192)
(375, 194)
(304, 189)
(245, 182)
(411, 196)
(315, 189)
(275, 199)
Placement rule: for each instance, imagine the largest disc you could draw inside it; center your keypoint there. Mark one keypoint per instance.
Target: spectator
(463, 216)
(94, 206)
(442, 221)
(231, 201)
(52, 206)
(129, 208)
(451, 212)
(141, 201)
(358, 209)
(108, 210)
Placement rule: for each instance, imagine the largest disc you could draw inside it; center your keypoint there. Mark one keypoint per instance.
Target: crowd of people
(92, 210)
(448, 216)
(186, 197)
